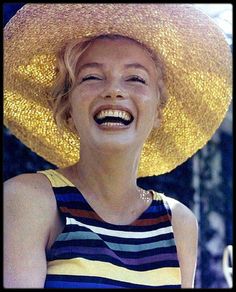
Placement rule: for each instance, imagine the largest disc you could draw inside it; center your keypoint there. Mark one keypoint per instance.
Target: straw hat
(196, 55)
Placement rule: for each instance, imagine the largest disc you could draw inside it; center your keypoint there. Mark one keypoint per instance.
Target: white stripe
(122, 234)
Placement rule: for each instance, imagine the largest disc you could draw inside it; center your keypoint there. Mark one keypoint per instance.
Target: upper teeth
(114, 113)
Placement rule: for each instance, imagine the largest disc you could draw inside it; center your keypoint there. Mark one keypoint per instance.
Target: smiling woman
(107, 100)
(69, 57)
(111, 81)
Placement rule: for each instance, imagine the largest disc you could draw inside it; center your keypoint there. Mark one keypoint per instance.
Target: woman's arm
(185, 229)
(26, 231)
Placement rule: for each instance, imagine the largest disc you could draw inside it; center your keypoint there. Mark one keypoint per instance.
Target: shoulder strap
(56, 179)
(157, 196)
(162, 197)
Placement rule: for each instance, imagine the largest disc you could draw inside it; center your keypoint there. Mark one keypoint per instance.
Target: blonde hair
(67, 61)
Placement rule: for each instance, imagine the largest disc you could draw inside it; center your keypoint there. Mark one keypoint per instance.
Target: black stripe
(66, 190)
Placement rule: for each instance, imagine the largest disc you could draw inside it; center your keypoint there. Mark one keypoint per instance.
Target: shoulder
(33, 187)
(29, 198)
(29, 211)
(185, 229)
(28, 180)
(184, 222)
(181, 214)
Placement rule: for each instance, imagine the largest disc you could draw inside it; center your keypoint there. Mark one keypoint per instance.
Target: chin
(117, 143)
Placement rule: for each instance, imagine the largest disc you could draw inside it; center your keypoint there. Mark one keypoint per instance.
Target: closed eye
(91, 77)
(136, 79)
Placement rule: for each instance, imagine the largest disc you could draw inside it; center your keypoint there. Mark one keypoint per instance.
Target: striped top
(92, 253)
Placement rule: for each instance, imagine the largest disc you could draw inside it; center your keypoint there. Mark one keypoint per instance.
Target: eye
(90, 77)
(136, 78)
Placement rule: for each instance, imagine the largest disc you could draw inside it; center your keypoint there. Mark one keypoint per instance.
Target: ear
(157, 119)
(70, 124)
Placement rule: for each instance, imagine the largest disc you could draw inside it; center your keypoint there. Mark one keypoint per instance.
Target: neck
(111, 176)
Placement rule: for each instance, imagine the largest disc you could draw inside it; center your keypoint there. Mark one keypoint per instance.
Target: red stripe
(93, 215)
(80, 213)
(146, 222)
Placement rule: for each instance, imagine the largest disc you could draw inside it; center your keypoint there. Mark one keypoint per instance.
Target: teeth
(108, 124)
(113, 113)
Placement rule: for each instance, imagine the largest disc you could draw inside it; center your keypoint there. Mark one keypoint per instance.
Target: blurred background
(203, 183)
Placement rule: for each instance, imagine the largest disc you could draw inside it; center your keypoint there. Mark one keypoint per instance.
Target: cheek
(81, 98)
(91, 89)
(148, 101)
(147, 110)
(79, 107)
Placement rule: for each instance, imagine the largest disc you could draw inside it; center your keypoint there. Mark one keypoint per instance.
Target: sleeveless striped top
(92, 253)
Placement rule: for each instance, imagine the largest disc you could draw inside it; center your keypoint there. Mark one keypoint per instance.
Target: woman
(91, 226)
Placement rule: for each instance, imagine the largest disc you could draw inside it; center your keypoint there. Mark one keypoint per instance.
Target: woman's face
(115, 102)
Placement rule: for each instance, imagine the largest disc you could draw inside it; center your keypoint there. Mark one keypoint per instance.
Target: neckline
(133, 223)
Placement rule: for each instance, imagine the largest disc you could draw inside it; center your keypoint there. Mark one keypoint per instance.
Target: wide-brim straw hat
(198, 64)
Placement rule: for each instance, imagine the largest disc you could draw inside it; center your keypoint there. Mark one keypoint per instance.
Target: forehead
(117, 51)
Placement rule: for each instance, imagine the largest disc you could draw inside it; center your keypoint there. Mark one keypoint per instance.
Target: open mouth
(111, 118)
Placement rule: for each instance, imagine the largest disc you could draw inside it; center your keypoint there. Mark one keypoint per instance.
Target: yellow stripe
(158, 196)
(56, 178)
(84, 267)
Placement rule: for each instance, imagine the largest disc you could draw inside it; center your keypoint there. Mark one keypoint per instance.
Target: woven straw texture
(198, 64)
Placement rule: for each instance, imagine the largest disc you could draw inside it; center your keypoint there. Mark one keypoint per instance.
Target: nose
(113, 91)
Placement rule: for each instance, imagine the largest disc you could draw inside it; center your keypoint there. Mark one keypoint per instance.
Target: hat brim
(198, 64)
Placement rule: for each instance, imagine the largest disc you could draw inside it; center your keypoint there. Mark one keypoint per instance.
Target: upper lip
(112, 107)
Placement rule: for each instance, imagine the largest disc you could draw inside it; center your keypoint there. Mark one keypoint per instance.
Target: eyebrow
(100, 65)
(137, 66)
(90, 65)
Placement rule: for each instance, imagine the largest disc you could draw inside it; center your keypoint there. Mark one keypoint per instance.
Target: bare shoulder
(29, 212)
(34, 182)
(181, 214)
(29, 197)
(34, 187)
(185, 228)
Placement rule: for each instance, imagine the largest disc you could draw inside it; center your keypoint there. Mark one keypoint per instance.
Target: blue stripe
(71, 196)
(67, 281)
(80, 285)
